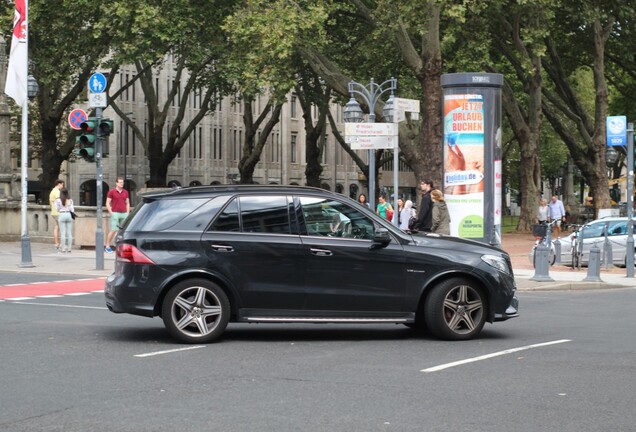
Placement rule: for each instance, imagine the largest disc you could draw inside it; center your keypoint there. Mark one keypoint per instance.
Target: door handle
(222, 248)
(321, 252)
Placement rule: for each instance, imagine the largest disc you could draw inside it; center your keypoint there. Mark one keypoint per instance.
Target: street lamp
(353, 114)
(25, 241)
(611, 157)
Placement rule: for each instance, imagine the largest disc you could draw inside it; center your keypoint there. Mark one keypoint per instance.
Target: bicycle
(543, 236)
(577, 246)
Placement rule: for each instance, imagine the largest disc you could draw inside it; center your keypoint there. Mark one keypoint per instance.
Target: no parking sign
(76, 118)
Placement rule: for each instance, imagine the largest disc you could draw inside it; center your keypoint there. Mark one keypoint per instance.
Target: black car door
(253, 245)
(343, 275)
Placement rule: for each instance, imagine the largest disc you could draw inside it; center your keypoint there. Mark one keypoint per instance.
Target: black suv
(204, 256)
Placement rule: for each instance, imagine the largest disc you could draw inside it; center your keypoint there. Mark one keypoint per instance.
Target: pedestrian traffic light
(87, 140)
(106, 127)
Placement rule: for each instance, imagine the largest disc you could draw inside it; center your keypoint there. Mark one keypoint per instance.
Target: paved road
(70, 365)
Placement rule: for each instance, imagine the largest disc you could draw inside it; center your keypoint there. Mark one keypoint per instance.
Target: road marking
(150, 354)
(20, 298)
(495, 354)
(59, 305)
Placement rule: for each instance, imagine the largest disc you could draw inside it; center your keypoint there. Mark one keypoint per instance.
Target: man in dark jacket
(425, 211)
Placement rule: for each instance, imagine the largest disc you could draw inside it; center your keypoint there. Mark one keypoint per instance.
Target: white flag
(17, 73)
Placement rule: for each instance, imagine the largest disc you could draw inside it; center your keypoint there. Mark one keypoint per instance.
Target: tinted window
(326, 217)
(164, 213)
(265, 214)
(228, 220)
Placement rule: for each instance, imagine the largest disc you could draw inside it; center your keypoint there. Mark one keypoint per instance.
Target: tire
(455, 310)
(551, 257)
(196, 311)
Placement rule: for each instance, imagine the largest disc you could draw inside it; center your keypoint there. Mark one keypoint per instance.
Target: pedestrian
(55, 194)
(399, 210)
(543, 211)
(556, 215)
(440, 214)
(65, 209)
(384, 209)
(362, 199)
(406, 214)
(118, 205)
(424, 212)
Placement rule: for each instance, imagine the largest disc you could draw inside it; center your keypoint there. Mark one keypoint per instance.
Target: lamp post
(629, 260)
(353, 114)
(25, 241)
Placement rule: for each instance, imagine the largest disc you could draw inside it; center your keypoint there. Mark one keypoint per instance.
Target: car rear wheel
(455, 310)
(196, 311)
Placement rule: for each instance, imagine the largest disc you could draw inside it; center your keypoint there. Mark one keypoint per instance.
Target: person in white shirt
(557, 213)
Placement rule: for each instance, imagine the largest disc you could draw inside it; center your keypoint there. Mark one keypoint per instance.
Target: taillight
(129, 253)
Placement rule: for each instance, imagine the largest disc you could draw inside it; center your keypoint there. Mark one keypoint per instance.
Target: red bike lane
(56, 288)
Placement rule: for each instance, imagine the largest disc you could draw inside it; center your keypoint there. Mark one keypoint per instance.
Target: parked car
(205, 256)
(593, 234)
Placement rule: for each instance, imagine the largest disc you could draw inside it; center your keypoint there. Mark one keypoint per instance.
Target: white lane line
(20, 298)
(101, 291)
(495, 354)
(77, 294)
(59, 305)
(150, 354)
(51, 296)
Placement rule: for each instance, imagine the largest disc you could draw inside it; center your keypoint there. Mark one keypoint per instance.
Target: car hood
(455, 243)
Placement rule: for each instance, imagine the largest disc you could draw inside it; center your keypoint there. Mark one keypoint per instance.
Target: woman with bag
(64, 205)
(406, 216)
(384, 209)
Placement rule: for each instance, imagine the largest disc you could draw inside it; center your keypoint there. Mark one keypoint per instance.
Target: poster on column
(464, 163)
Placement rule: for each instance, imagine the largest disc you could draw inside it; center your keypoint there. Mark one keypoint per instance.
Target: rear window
(162, 214)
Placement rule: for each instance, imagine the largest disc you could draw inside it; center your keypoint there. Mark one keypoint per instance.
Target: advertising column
(472, 154)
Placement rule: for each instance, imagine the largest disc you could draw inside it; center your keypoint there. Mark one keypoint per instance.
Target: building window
(292, 106)
(293, 149)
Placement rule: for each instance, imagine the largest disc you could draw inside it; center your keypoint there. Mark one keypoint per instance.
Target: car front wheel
(196, 311)
(455, 310)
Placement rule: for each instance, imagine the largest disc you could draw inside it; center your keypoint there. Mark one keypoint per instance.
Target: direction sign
(97, 83)
(616, 131)
(361, 142)
(76, 118)
(408, 105)
(371, 129)
(97, 100)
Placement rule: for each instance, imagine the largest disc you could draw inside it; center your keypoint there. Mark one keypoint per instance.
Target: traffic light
(106, 127)
(87, 140)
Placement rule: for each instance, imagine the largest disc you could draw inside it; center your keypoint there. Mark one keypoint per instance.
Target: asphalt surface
(45, 260)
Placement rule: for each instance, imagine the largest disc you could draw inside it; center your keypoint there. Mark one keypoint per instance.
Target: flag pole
(25, 241)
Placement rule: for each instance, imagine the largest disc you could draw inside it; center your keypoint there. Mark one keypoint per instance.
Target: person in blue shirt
(556, 213)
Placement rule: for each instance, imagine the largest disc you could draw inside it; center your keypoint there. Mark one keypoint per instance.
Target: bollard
(541, 264)
(557, 252)
(594, 266)
(607, 259)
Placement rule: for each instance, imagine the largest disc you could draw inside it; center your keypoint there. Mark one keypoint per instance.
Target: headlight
(497, 262)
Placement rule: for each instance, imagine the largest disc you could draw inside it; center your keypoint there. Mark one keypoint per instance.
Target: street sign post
(76, 118)
(97, 97)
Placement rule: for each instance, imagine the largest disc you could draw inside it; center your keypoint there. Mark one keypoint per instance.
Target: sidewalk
(45, 259)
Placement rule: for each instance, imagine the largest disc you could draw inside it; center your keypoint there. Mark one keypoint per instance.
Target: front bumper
(511, 312)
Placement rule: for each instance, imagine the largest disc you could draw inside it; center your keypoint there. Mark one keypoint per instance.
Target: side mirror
(381, 238)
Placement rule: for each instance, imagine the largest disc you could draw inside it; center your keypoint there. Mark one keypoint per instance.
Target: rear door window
(255, 214)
